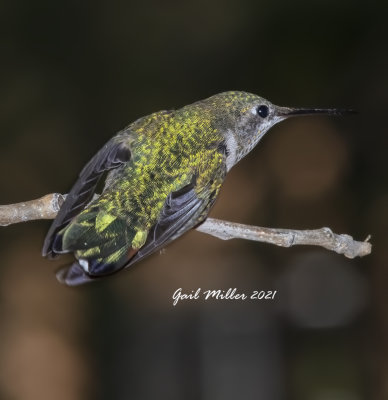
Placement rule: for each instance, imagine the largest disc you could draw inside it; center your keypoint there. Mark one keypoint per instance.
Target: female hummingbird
(164, 173)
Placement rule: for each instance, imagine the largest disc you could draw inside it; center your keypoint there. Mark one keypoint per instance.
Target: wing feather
(113, 155)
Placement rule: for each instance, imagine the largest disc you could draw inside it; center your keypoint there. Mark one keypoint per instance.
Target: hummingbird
(162, 174)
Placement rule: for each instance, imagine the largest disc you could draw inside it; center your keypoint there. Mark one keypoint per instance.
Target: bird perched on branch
(164, 173)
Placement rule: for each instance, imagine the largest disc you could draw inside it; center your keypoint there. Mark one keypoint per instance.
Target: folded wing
(113, 155)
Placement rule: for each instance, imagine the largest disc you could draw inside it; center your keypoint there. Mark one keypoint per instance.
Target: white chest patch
(231, 146)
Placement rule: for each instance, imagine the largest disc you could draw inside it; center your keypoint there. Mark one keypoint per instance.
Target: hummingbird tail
(101, 243)
(78, 273)
(73, 275)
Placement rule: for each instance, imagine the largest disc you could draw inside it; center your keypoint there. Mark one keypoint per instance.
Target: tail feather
(73, 275)
(100, 242)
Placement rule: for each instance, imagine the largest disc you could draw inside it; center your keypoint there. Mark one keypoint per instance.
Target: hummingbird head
(245, 118)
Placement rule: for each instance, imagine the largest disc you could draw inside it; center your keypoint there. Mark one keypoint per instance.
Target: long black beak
(290, 112)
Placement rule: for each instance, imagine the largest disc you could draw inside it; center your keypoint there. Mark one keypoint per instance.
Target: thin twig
(47, 207)
(324, 237)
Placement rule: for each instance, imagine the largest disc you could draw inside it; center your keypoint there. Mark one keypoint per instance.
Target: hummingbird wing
(114, 154)
(182, 210)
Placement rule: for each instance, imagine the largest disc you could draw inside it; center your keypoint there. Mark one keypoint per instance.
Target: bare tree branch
(47, 207)
(324, 237)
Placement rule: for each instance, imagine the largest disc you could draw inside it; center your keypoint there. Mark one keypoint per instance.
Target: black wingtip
(53, 247)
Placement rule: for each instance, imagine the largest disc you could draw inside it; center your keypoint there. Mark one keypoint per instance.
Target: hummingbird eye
(262, 111)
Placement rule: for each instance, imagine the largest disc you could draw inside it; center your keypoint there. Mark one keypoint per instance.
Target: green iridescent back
(168, 149)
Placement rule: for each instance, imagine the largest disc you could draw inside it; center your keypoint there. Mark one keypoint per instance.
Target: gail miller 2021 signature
(219, 294)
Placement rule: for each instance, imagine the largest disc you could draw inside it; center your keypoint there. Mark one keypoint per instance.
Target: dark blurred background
(74, 73)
